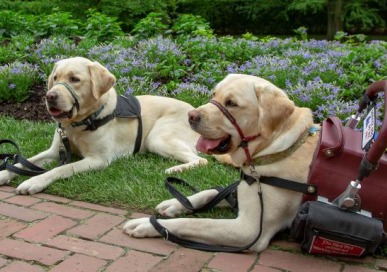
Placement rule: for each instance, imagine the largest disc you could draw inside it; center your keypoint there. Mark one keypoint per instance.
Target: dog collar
(272, 158)
(89, 122)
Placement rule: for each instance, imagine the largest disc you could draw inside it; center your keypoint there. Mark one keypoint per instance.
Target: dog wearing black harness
(252, 124)
(97, 124)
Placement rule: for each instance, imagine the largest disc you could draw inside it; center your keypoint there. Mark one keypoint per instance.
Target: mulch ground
(33, 109)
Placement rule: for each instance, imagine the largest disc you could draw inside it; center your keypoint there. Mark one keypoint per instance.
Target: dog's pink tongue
(204, 145)
(55, 112)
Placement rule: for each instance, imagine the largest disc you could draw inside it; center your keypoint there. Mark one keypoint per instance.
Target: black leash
(10, 159)
(202, 246)
(223, 194)
(228, 193)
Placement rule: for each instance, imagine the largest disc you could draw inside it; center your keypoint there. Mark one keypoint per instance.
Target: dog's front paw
(176, 169)
(140, 228)
(170, 208)
(5, 177)
(31, 186)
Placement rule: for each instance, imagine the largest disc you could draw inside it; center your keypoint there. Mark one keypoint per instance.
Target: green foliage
(303, 32)
(350, 39)
(16, 80)
(35, 7)
(249, 36)
(361, 17)
(14, 23)
(358, 15)
(362, 64)
(305, 6)
(131, 12)
(152, 25)
(102, 27)
(58, 23)
(189, 25)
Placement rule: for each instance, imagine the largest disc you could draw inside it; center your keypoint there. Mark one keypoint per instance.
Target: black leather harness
(127, 107)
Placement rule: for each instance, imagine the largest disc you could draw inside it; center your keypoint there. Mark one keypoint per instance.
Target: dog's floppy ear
(274, 108)
(50, 81)
(101, 79)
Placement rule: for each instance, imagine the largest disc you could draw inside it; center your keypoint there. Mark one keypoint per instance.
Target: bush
(58, 23)
(18, 47)
(16, 80)
(14, 23)
(191, 26)
(152, 25)
(101, 27)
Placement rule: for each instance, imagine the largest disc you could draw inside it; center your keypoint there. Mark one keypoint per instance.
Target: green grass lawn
(135, 182)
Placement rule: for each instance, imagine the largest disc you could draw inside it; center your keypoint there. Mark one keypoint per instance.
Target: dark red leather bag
(339, 155)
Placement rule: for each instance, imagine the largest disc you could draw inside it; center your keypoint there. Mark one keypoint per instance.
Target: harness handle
(379, 146)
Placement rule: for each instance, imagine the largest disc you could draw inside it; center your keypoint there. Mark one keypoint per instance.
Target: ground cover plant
(184, 62)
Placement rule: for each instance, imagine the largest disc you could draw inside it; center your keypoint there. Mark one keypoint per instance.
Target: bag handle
(335, 150)
(379, 146)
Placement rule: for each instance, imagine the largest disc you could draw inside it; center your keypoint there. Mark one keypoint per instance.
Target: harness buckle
(255, 175)
(244, 143)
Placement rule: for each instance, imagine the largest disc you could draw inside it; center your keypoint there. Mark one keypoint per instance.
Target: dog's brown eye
(74, 79)
(55, 78)
(230, 103)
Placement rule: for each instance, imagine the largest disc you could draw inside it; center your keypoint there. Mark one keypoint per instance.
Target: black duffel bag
(326, 229)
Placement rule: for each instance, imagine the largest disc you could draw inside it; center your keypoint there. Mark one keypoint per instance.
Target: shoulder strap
(305, 188)
(129, 106)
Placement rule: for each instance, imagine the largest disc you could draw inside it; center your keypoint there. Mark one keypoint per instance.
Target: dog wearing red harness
(252, 124)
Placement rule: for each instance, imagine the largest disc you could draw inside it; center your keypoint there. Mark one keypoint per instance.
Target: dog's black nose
(52, 96)
(193, 117)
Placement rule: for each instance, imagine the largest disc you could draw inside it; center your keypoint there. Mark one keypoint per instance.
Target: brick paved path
(50, 233)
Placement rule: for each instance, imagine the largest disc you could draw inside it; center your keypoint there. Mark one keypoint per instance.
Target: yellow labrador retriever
(275, 144)
(80, 93)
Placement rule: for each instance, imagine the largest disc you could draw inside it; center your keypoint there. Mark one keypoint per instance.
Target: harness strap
(73, 94)
(92, 124)
(244, 140)
(127, 107)
(308, 189)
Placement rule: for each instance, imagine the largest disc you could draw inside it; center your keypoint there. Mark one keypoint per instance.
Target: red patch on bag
(321, 245)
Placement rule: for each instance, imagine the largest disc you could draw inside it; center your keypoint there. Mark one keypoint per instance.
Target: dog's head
(258, 107)
(75, 87)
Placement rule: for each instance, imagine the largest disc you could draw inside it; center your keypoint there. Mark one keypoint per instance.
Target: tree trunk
(335, 22)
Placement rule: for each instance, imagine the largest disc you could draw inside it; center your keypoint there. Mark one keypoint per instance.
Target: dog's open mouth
(58, 114)
(213, 146)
